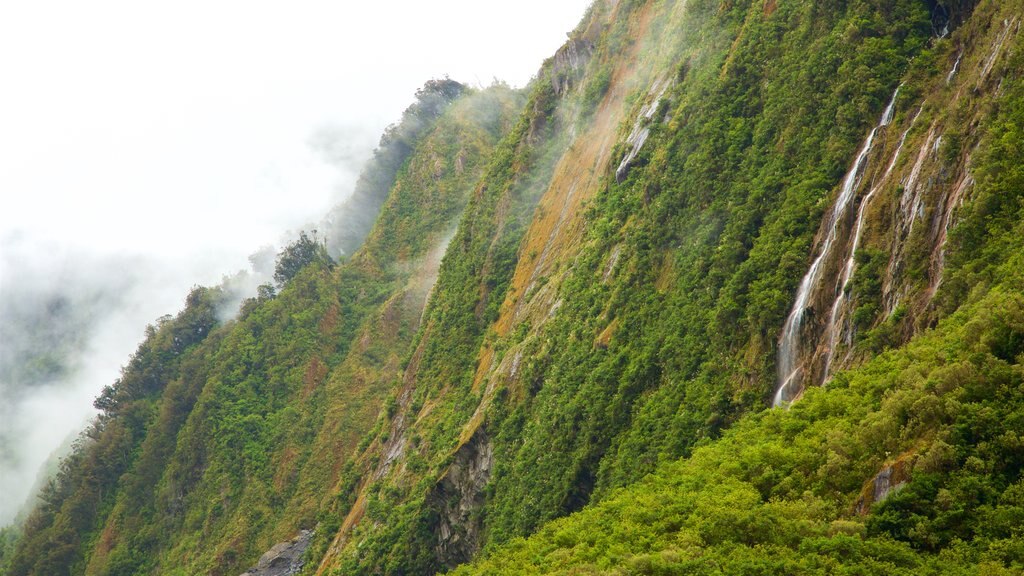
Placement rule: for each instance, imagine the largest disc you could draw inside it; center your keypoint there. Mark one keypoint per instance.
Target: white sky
(171, 127)
(176, 136)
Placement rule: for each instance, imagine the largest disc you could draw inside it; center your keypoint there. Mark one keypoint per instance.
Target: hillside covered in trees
(732, 287)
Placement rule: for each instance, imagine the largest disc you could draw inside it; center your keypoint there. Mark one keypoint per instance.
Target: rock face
(457, 496)
(641, 128)
(889, 479)
(569, 63)
(284, 558)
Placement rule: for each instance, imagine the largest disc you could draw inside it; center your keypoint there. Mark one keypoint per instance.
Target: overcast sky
(157, 144)
(171, 127)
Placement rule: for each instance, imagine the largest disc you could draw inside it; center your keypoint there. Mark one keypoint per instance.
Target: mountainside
(220, 440)
(734, 287)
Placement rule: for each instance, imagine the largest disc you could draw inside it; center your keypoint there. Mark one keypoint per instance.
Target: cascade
(948, 206)
(997, 48)
(956, 67)
(911, 203)
(789, 345)
(911, 208)
(842, 301)
(641, 130)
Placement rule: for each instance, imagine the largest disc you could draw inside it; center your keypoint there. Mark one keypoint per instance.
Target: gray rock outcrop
(284, 558)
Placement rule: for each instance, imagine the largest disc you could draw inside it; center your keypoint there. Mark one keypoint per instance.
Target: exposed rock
(889, 480)
(456, 498)
(641, 128)
(284, 558)
(568, 63)
(948, 15)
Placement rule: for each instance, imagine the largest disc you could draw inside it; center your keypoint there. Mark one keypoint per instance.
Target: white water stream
(641, 128)
(997, 49)
(789, 368)
(841, 304)
(956, 67)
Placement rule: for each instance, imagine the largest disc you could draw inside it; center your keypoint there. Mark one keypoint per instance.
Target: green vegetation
(57, 532)
(582, 390)
(713, 230)
(306, 250)
(9, 536)
(348, 224)
(713, 226)
(474, 277)
(220, 440)
(784, 491)
(792, 491)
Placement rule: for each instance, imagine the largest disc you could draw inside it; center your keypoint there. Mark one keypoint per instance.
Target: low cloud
(131, 175)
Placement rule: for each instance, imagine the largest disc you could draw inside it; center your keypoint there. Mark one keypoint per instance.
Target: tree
(297, 255)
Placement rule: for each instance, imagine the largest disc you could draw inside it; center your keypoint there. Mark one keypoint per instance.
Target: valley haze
(151, 147)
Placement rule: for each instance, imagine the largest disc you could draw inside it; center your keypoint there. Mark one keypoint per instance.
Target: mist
(150, 148)
(70, 319)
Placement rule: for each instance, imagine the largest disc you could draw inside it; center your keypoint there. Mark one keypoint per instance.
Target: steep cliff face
(880, 254)
(887, 468)
(629, 331)
(232, 444)
(458, 498)
(347, 225)
(577, 306)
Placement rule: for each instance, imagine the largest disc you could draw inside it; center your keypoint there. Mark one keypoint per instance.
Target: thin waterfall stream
(841, 303)
(789, 368)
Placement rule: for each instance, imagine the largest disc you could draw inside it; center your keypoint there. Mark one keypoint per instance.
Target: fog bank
(151, 147)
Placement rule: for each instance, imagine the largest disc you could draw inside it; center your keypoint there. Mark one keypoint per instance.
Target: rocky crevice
(458, 497)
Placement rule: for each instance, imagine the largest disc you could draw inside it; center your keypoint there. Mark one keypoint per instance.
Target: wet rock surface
(889, 480)
(569, 63)
(456, 498)
(284, 558)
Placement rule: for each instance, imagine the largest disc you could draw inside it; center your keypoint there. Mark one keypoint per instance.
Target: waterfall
(789, 345)
(641, 130)
(911, 208)
(956, 67)
(949, 205)
(997, 48)
(911, 202)
(839, 306)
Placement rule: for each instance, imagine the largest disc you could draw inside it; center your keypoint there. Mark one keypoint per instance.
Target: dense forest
(732, 287)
